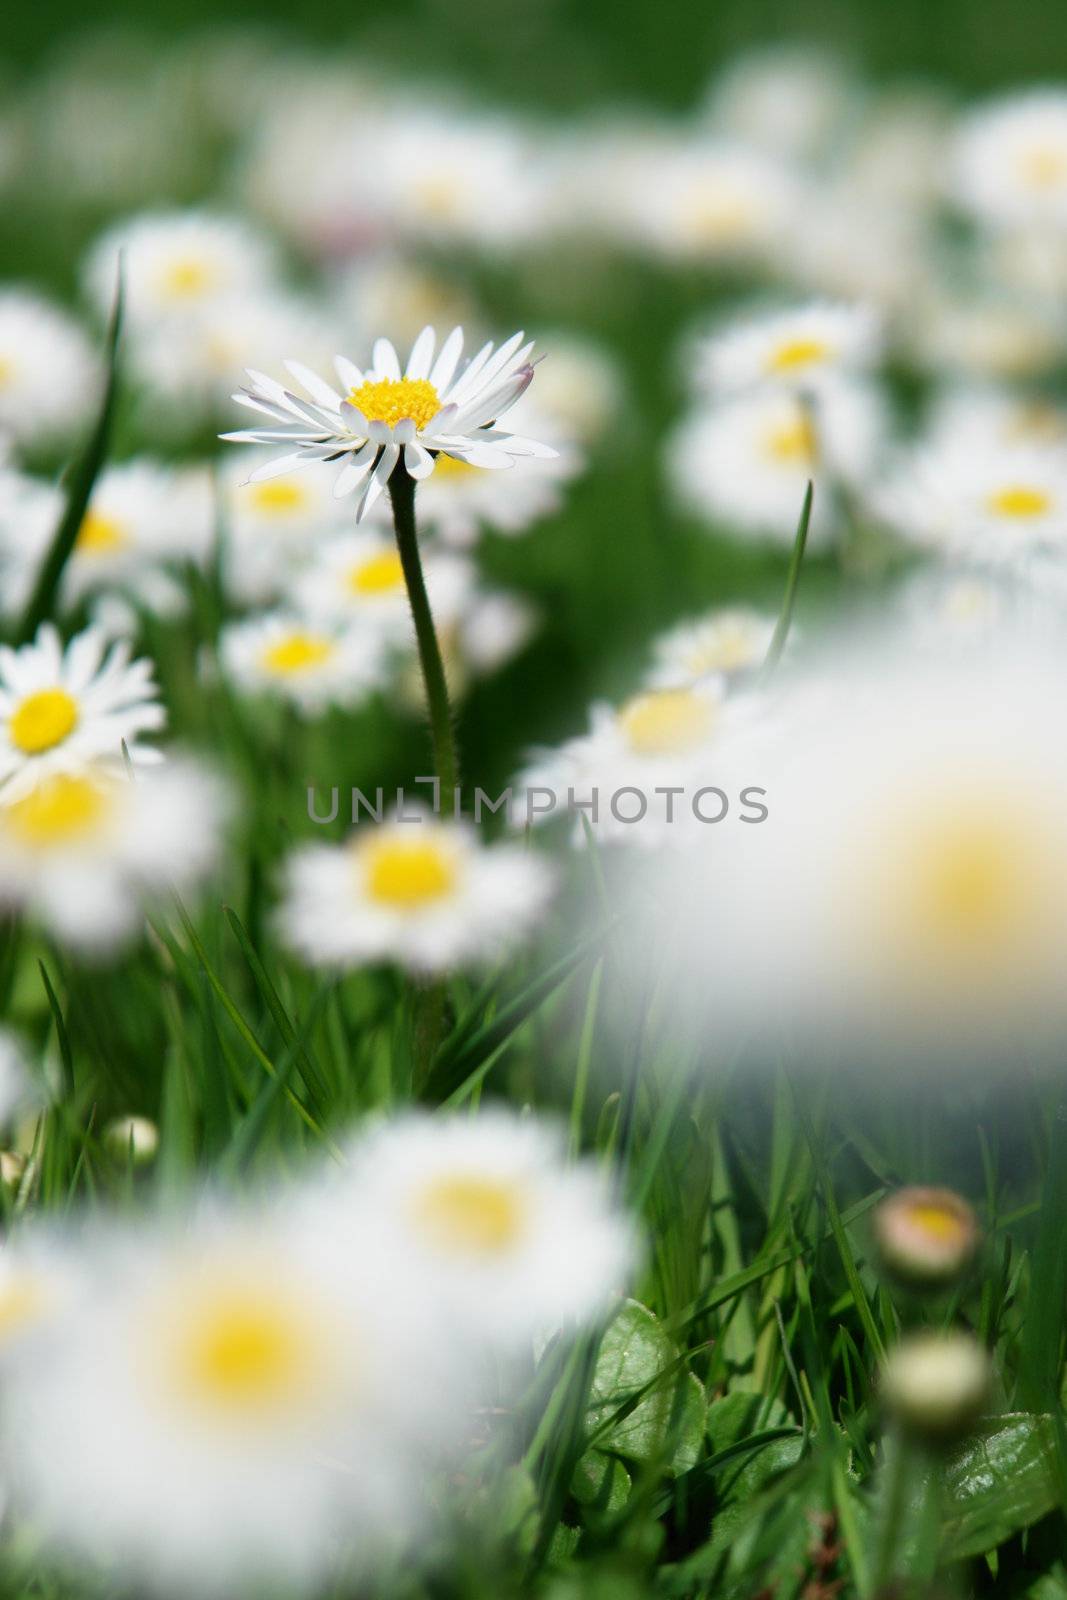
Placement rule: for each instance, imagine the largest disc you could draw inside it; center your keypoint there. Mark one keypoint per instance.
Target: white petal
(386, 361)
(404, 431)
(421, 354)
(445, 366)
(348, 372)
(277, 468)
(378, 479)
(418, 461)
(316, 387)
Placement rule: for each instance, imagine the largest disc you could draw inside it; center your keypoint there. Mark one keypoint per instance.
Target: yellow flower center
(793, 355)
(452, 467)
(666, 722)
(795, 443)
(393, 400)
(725, 650)
(973, 881)
(717, 217)
(1044, 166)
(298, 652)
(278, 496)
(439, 195)
(407, 874)
(59, 810)
(7, 371)
(1021, 501)
(22, 1300)
(381, 574)
(247, 1351)
(43, 720)
(99, 534)
(471, 1214)
(187, 278)
(937, 1221)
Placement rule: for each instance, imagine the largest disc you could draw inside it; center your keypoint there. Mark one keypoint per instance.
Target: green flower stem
(402, 495)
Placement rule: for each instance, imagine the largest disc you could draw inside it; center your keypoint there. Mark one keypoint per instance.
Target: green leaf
(655, 1408)
(785, 616)
(83, 476)
(601, 1482)
(1001, 1481)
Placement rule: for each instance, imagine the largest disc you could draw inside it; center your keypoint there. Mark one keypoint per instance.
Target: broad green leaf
(1001, 1481)
(638, 1369)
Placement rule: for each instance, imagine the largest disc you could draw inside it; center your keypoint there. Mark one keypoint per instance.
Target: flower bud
(926, 1237)
(132, 1138)
(936, 1384)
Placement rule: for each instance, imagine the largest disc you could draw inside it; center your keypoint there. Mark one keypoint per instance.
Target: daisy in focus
(86, 851)
(510, 1240)
(425, 894)
(61, 708)
(223, 1402)
(799, 349)
(48, 371)
(312, 663)
(177, 263)
(430, 407)
(730, 643)
(1009, 161)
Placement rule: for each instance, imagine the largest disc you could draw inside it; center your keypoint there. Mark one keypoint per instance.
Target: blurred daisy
(62, 707)
(510, 1239)
(800, 349)
(357, 579)
(459, 500)
(174, 263)
(423, 410)
(743, 465)
(30, 512)
(785, 98)
(17, 1089)
(86, 849)
(48, 372)
(271, 527)
(726, 643)
(926, 1237)
(994, 506)
(226, 1403)
(1009, 161)
(142, 522)
(579, 393)
(39, 1280)
(710, 202)
(425, 894)
(313, 664)
(988, 337)
(936, 1383)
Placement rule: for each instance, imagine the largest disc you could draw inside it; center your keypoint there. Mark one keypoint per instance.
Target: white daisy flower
(985, 337)
(994, 507)
(785, 98)
(936, 1383)
(143, 518)
(798, 349)
(311, 663)
(48, 371)
(271, 527)
(710, 202)
(511, 1240)
(723, 643)
(424, 893)
(63, 707)
(1009, 162)
(86, 849)
(988, 418)
(579, 393)
(226, 1402)
(423, 410)
(386, 288)
(357, 578)
(40, 1277)
(174, 263)
(459, 500)
(743, 465)
(30, 513)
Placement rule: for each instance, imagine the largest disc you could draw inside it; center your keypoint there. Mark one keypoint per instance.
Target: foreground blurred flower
(312, 663)
(62, 707)
(223, 1404)
(509, 1239)
(936, 1385)
(86, 851)
(17, 1089)
(926, 1237)
(1009, 164)
(132, 1139)
(727, 642)
(176, 263)
(47, 369)
(425, 894)
(798, 349)
(429, 408)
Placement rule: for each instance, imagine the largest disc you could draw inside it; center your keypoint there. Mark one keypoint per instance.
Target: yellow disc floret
(795, 443)
(43, 720)
(246, 1350)
(793, 355)
(188, 277)
(407, 874)
(58, 811)
(1044, 167)
(298, 652)
(381, 574)
(666, 722)
(99, 534)
(472, 1214)
(393, 400)
(278, 496)
(1020, 500)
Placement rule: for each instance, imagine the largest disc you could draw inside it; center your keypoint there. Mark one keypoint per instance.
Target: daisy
(271, 527)
(726, 642)
(48, 371)
(936, 1383)
(459, 500)
(175, 263)
(510, 1239)
(63, 707)
(387, 288)
(357, 578)
(711, 202)
(423, 410)
(997, 506)
(424, 893)
(926, 1237)
(30, 513)
(743, 465)
(788, 99)
(986, 337)
(579, 393)
(798, 349)
(313, 664)
(1009, 161)
(86, 850)
(225, 1401)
